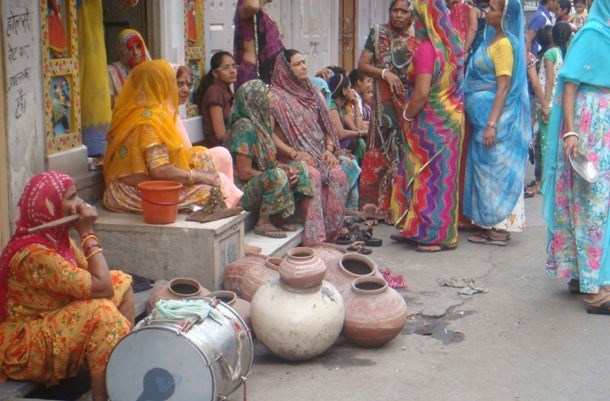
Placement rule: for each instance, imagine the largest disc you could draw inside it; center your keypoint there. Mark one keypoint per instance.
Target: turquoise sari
(495, 175)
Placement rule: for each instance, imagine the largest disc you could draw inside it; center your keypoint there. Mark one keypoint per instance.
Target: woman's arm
(249, 8)
(245, 170)
(343, 133)
(218, 123)
(502, 87)
(549, 69)
(473, 24)
(423, 83)
(365, 64)
(569, 98)
(536, 85)
(188, 177)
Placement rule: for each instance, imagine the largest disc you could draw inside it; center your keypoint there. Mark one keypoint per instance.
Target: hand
(489, 136)
(352, 95)
(570, 145)
(330, 159)
(292, 174)
(206, 178)
(546, 113)
(305, 157)
(88, 216)
(394, 82)
(324, 73)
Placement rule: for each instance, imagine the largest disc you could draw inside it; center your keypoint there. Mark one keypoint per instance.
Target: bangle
(569, 134)
(491, 124)
(92, 254)
(383, 71)
(189, 178)
(86, 238)
(404, 116)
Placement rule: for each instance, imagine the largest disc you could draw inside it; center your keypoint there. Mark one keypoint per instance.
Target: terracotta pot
(297, 324)
(230, 298)
(246, 274)
(178, 288)
(329, 255)
(375, 313)
(302, 268)
(350, 267)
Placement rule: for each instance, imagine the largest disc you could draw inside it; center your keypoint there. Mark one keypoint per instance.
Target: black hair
(208, 79)
(393, 3)
(581, 2)
(545, 39)
(565, 4)
(355, 76)
(290, 53)
(337, 84)
(562, 32)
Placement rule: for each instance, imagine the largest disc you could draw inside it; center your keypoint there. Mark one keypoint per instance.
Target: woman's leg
(314, 232)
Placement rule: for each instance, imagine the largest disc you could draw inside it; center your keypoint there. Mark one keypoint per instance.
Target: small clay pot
(246, 274)
(302, 268)
(350, 267)
(375, 313)
(178, 288)
(230, 298)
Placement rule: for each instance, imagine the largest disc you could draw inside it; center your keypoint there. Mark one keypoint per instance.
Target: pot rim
(274, 266)
(301, 249)
(361, 258)
(184, 280)
(224, 293)
(375, 280)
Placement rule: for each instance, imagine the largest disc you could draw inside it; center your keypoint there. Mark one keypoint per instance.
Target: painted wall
(25, 135)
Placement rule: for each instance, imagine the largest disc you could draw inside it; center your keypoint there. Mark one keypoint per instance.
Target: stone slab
(163, 252)
(14, 389)
(275, 246)
(72, 162)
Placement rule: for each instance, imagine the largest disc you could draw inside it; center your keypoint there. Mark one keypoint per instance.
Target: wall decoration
(57, 28)
(61, 96)
(194, 47)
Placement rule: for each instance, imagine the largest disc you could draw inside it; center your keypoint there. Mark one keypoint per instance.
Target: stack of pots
(299, 315)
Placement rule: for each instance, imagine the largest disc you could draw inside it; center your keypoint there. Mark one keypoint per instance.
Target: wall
(370, 12)
(4, 214)
(25, 135)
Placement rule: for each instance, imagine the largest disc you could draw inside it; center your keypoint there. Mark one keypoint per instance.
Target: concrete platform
(12, 390)
(275, 246)
(163, 252)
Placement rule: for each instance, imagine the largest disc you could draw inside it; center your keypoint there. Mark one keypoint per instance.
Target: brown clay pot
(375, 313)
(250, 266)
(178, 288)
(302, 268)
(329, 255)
(350, 267)
(230, 298)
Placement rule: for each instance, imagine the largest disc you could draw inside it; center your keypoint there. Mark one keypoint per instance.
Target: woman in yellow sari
(144, 143)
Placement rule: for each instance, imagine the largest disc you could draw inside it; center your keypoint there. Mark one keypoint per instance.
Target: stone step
(10, 389)
(275, 246)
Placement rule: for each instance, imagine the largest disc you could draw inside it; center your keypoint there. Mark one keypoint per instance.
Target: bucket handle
(159, 203)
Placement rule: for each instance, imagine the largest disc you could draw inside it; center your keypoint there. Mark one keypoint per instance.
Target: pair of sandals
(277, 232)
(355, 233)
(599, 305)
(490, 237)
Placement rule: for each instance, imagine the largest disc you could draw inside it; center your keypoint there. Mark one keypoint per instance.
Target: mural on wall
(60, 73)
(194, 47)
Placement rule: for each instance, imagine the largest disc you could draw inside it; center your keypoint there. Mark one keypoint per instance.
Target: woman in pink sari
(304, 132)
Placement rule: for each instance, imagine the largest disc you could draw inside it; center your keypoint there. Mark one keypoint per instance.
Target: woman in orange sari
(144, 143)
(60, 307)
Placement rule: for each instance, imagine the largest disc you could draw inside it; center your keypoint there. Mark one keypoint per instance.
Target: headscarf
(323, 87)
(148, 98)
(581, 66)
(126, 36)
(251, 112)
(40, 202)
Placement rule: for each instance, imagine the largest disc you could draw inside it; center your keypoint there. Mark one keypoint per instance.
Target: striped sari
(435, 138)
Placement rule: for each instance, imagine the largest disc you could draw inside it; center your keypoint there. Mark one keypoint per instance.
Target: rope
(169, 309)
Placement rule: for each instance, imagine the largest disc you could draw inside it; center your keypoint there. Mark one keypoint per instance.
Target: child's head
(360, 82)
(545, 38)
(580, 6)
(368, 97)
(562, 33)
(339, 88)
(565, 7)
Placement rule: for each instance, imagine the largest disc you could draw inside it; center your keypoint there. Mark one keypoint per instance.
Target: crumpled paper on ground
(467, 286)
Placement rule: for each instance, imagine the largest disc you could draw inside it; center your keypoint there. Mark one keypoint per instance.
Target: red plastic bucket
(160, 201)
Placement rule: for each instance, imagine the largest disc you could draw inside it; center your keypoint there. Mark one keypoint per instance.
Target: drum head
(156, 364)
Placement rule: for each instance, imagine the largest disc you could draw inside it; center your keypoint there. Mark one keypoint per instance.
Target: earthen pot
(301, 268)
(230, 298)
(350, 267)
(295, 323)
(178, 288)
(375, 313)
(329, 255)
(246, 274)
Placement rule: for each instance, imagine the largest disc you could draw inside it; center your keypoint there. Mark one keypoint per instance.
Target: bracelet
(404, 116)
(189, 178)
(92, 254)
(86, 238)
(491, 125)
(383, 71)
(569, 134)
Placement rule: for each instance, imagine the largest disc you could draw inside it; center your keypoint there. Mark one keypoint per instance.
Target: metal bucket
(182, 360)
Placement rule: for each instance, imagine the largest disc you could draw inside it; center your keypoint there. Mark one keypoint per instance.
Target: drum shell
(228, 359)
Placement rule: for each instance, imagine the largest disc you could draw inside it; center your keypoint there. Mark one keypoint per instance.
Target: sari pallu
(495, 175)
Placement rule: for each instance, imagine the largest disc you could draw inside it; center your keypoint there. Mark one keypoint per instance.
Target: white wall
(370, 12)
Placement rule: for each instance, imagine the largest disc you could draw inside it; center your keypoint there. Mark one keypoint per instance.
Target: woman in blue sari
(497, 104)
(576, 211)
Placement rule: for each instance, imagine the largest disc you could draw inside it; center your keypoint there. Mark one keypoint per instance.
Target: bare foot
(251, 250)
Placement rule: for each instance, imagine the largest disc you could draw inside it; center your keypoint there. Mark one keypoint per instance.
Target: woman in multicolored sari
(497, 103)
(60, 308)
(132, 52)
(270, 187)
(145, 143)
(434, 122)
(305, 133)
(386, 58)
(577, 211)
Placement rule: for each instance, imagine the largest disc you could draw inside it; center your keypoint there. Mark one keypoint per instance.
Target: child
(580, 17)
(361, 84)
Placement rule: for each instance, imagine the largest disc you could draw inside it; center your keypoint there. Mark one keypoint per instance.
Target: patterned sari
(493, 189)
(436, 135)
(577, 212)
(50, 327)
(301, 114)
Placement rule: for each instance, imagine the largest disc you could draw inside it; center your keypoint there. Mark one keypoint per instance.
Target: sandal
(433, 248)
(485, 238)
(368, 239)
(344, 238)
(359, 247)
(270, 233)
(599, 306)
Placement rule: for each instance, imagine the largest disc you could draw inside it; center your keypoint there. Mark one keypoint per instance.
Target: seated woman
(304, 132)
(144, 143)
(346, 120)
(215, 98)
(132, 51)
(60, 308)
(269, 187)
(221, 157)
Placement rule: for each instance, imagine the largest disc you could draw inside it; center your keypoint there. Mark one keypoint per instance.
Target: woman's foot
(269, 230)
(433, 248)
(490, 237)
(574, 286)
(598, 304)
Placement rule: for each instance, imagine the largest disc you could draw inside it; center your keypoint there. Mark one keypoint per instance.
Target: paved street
(527, 339)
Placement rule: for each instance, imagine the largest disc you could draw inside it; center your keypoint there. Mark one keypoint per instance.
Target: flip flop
(289, 227)
(484, 239)
(359, 247)
(270, 233)
(433, 248)
(603, 309)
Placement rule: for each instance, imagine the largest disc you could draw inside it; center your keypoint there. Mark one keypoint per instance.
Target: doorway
(117, 18)
(347, 36)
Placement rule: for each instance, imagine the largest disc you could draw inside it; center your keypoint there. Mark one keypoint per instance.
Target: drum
(182, 360)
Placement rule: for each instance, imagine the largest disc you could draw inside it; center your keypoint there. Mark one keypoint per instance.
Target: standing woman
(257, 41)
(576, 211)
(434, 122)
(386, 57)
(497, 103)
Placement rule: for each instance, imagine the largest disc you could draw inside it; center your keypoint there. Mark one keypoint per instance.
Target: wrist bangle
(189, 178)
(491, 124)
(569, 134)
(92, 254)
(87, 238)
(383, 71)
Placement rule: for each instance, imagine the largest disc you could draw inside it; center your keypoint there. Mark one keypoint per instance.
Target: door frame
(5, 217)
(348, 33)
